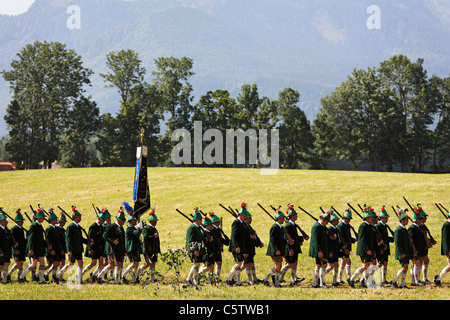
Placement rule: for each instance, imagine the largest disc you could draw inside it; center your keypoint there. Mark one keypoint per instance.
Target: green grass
(185, 188)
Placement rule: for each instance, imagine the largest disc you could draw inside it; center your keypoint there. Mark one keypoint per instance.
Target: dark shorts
(218, 256)
(403, 261)
(53, 258)
(76, 257)
(366, 259)
(134, 257)
(20, 257)
(249, 259)
(238, 257)
(321, 261)
(5, 259)
(291, 259)
(332, 259)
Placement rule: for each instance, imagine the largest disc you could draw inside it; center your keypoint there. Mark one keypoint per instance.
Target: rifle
(429, 243)
(350, 206)
(344, 247)
(388, 227)
(34, 213)
(95, 210)
(440, 209)
(409, 236)
(14, 242)
(230, 212)
(82, 229)
(378, 237)
(314, 218)
(443, 207)
(2, 211)
(351, 227)
(252, 231)
(184, 215)
(304, 234)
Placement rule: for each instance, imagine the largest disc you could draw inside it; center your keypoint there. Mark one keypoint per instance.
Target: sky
(14, 7)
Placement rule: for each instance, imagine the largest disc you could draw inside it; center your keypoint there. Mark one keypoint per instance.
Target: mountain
(310, 46)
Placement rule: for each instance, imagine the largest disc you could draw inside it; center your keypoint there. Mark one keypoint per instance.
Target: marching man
(445, 249)
(319, 250)
(150, 245)
(403, 249)
(194, 242)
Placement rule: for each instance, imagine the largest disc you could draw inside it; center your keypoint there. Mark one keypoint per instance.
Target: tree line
(392, 118)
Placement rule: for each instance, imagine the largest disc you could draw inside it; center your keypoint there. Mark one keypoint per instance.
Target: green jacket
(36, 240)
(383, 230)
(6, 243)
(238, 237)
(366, 239)
(276, 241)
(19, 235)
(194, 238)
(52, 238)
(291, 229)
(318, 241)
(345, 236)
(445, 238)
(150, 245)
(95, 232)
(74, 239)
(418, 239)
(403, 244)
(334, 245)
(132, 240)
(61, 238)
(112, 232)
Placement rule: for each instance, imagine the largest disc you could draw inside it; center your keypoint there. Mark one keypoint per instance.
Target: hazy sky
(14, 7)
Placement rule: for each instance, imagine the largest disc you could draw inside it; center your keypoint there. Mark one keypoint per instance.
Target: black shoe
(437, 281)
(350, 283)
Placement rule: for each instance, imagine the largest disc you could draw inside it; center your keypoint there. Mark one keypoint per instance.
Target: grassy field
(185, 188)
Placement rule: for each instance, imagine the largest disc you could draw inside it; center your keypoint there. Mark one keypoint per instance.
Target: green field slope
(185, 188)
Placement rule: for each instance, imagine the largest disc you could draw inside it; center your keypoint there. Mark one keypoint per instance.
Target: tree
(107, 145)
(125, 72)
(139, 108)
(408, 86)
(172, 82)
(296, 139)
(46, 80)
(82, 123)
(441, 136)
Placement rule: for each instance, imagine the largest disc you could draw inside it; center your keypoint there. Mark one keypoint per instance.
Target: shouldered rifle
(351, 227)
(442, 211)
(314, 218)
(388, 227)
(82, 229)
(378, 236)
(229, 211)
(191, 220)
(344, 246)
(350, 206)
(184, 215)
(95, 210)
(443, 207)
(14, 242)
(3, 211)
(45, 235)
(429, 243)
(304, 234)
